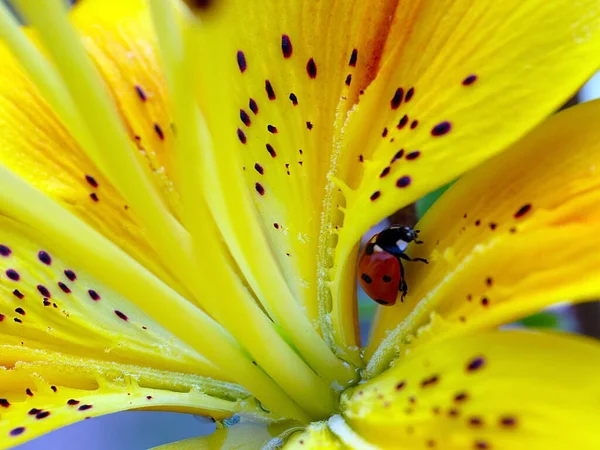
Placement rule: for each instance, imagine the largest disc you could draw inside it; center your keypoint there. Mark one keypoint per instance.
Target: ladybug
(380, 269)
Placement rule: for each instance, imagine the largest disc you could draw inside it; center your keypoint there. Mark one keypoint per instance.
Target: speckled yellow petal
(43, 390)
(244, 435)
(511, 237)
(270, 94)
(48, 302)
(492, 390)
(37, 146)
(458, 82)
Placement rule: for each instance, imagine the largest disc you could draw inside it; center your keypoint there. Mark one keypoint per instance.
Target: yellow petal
(473, 77)
(122, 46)
(37, 146)
(493, 390)
(512, 237)
(41, 391)
(245, 435)
(47, 302)
(272, 94)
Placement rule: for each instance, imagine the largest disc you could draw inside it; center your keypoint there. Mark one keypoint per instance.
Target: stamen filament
(112, 144)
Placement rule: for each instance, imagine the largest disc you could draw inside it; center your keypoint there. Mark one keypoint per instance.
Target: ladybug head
(395, 238)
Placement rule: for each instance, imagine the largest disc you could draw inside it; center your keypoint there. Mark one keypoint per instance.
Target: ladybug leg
(408, 258)
(402, 287)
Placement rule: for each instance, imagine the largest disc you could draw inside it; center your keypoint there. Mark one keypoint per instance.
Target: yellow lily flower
(183, 187)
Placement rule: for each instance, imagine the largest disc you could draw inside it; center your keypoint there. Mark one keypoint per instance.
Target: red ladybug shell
(380, 276)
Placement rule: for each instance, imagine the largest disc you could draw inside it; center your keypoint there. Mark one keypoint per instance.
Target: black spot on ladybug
(386, 278)
(366, 278)
(381, 302)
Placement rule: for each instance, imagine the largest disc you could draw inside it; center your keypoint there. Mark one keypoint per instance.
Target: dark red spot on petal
(401, 385)
(469, 80)
(441, 128)
(348, 79)
(120, 315)
(259, 168)
(384, 172)
(93, 295)
(241, 136)
(70, 275)
(91, 181)
(140, 92)
(253, 106)
(522, 211)
(294, 99)
(430, 381)
(286, 46)
(43, 290)
(28, 392)
(20, 311)
(4, 250)
(508, 421)
(414, 124)
(272, 129)
(311, 68)
(403, 182)
(42, 415)
(475, 364)
(309, 125)
(54, 388)
(84, 407)
(13, 274)
(375, 195)
(413, 155)
(18, 294)
(72, 402)
(17, 431)
(353, 58)
(241, 60)
(245, 118)
(271, 150)
(409, 94)
(159, 132)
(94, 197)
(402, 122)
(399, 154)
(64, 287)
(259, 188)
(397, 98)
(4, 403)
(384, 133)
(270, 91)
(460, 397)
